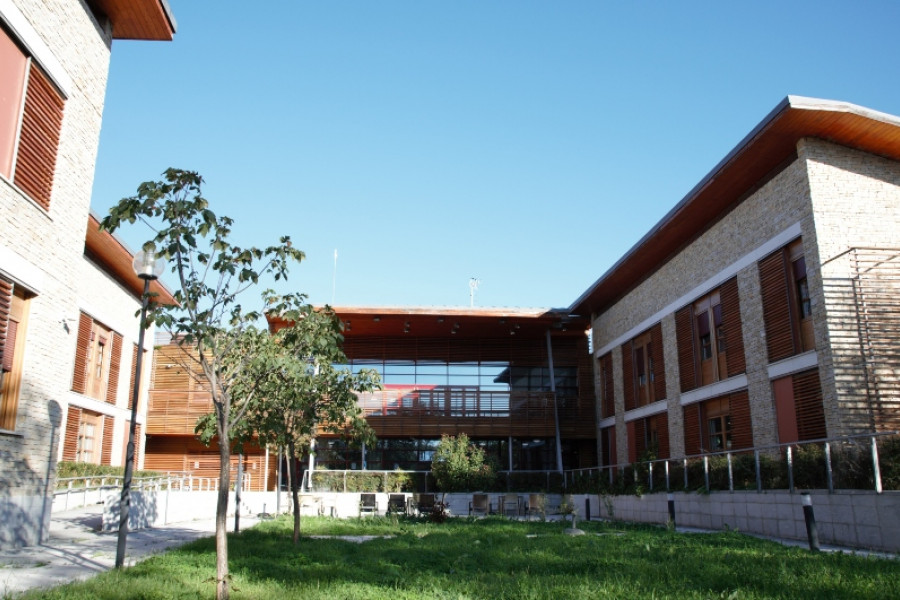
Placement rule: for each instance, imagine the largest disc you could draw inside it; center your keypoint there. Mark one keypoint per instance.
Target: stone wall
(41, 251)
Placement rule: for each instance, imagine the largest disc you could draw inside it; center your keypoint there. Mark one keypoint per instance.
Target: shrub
(460, 466)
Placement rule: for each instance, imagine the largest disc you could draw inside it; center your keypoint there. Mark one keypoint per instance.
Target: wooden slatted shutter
(632, 442)
(115, 363)
(731, 323)
(662, 434)
(640, 438)
(39, 138)
(106, 448)
(741, 425)
(684, 335)
(607, 394)
(6, 291)
(70, 441)
(808, 402)
(776, 302)
(692, 429)
(134, 355)
(628, 375)
(82, 350)
(659, 366)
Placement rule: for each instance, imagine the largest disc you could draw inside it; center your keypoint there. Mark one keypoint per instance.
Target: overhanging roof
(138, 19)
(114, 258)
(437, 322)
(770, 146)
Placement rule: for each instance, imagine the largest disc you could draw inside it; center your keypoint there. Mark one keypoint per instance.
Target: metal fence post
(685, 474)
(875, 467)
(706, 472)
(730, 473)
(829, 473)
(668, 487)
(758, 472)
(650, 476)
(790, 467)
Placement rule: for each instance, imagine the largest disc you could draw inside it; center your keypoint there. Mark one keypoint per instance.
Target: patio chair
(479, 505)
(509, 505)
(421, 504)
(367, 504)
(536, 506)
(396, 503)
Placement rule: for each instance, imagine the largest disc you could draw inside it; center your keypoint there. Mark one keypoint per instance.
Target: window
(718, 425)
(787, 304)
(88, 437)
(13, 322)
(98, 357)
(648, 438)
(643, 370)
(30, 122)
(710, 338)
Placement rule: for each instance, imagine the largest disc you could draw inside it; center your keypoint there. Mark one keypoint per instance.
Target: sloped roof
(762, 153)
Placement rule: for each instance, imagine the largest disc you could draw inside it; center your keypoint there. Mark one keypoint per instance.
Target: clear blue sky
(529, 144)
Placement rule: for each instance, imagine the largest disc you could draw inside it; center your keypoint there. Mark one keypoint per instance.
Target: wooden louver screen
(808, 404)
(776, 302)
(39, 139)
(692, 429)
(134, 355)
(628, 375)
(662, 434)
(607, 393)
(82, 349)
(684, 334)
(6, 290)
(741, 425)
(106, 448)
(115, 364)
(731, 323)
(659, 367)
(70, 440)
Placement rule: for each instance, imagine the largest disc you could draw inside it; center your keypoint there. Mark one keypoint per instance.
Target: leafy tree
(208, 322)
(303, 391)
(460, 466)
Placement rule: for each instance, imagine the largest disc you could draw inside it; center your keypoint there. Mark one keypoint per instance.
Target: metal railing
(846, 462)
(71, 487)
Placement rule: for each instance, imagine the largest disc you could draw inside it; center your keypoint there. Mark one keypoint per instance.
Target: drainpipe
(559, 465)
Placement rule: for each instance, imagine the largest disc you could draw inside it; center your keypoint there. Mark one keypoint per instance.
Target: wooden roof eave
(115, 259)
(138, 19)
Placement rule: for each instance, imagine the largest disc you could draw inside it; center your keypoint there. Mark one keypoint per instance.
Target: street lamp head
(147, 266)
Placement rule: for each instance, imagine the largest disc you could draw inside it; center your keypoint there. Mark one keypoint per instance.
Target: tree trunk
(295, 495)
(222, 590)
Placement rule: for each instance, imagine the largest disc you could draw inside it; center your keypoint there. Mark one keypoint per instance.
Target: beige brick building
(55, 57)
(761, 309)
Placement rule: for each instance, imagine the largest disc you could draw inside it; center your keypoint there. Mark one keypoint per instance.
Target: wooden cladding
(710, 338)
(692, 429)
(808, 404)
(741, 425)
(39, 138)
(185, 454)
(70, 439)
(6, 292)
(115, 363)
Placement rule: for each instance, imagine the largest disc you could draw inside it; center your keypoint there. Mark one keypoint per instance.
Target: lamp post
(148, 267)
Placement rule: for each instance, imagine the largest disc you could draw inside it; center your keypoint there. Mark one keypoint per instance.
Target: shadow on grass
(496, 558)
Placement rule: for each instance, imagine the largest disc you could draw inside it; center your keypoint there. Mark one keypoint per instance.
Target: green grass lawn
(495, 558)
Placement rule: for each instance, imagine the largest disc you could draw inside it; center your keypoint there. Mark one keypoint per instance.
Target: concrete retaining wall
(856, 519)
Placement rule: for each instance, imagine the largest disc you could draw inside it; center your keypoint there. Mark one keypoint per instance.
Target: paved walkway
(77, 549)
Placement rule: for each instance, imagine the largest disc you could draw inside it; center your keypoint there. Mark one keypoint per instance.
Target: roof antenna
(473, 286)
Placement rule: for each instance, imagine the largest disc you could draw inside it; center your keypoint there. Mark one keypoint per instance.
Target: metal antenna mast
(473, 286)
